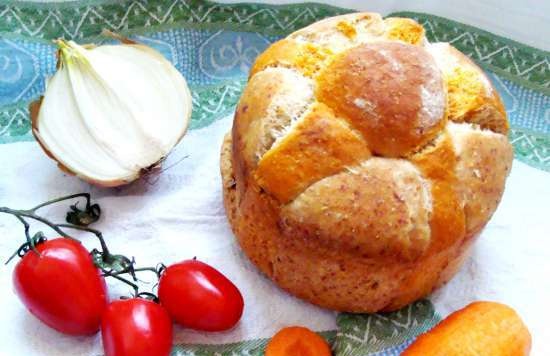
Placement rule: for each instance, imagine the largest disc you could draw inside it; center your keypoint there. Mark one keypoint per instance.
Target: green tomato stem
(72, 196)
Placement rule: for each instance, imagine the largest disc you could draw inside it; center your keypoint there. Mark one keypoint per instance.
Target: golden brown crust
(404, 30)
(378, 209)
(254, 232)
(438, 163)
(471, 96)
(484, 160)
(308, 58)
(268, 104)
(391, 92)
(344, 181)
(293, 164)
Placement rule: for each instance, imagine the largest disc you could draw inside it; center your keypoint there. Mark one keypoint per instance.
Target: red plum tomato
(199, 297)
(136, 327)
(62, 287)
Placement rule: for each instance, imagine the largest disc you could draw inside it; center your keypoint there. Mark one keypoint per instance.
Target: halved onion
(111, 112)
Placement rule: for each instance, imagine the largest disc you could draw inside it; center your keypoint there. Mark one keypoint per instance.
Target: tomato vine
(111, 265)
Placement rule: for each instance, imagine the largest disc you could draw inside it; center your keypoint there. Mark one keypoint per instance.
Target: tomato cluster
(60, 284)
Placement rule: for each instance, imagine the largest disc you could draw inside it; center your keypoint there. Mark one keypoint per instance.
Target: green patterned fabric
(384, 334)
(86, 19)
(210, 103)
(531, 148)
(248, 348)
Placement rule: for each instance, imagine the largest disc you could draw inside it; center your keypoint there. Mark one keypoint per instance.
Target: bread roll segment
(272, 101)
(392, 92)
(437, 163)
(379, 209)
(484, 162)
(471, 96)
(293, 163)
(363, 162)
(305, 57)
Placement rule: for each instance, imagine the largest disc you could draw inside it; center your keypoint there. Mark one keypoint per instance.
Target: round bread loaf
(363, 161)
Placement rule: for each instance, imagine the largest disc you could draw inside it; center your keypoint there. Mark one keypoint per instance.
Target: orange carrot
(297, 341)
(481, 328)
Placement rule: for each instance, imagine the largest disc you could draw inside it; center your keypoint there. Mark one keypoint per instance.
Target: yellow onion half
(111, 112)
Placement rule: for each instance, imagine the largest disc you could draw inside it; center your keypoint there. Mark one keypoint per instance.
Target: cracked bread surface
(363, 162)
